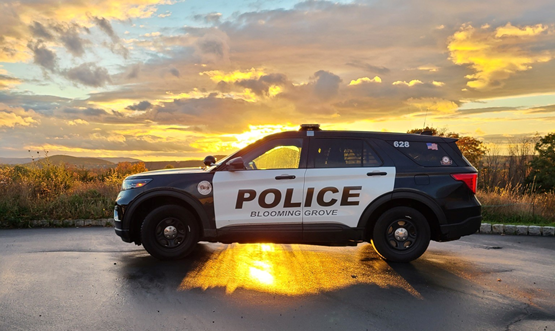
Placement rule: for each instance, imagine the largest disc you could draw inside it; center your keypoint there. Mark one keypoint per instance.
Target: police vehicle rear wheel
(401, 234)
(170, 232)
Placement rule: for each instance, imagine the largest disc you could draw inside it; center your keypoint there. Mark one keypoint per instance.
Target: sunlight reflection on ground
(292, 270)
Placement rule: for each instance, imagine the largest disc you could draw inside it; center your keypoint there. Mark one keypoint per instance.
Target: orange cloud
(234, 76)
(435, 105)
(11, 117)
(495, 55)
(410, 84)
(510, 30)
(359, 81)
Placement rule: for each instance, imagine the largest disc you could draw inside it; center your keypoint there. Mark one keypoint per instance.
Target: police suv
(337, 188)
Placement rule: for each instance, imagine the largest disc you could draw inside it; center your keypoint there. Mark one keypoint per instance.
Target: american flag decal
(432, 146)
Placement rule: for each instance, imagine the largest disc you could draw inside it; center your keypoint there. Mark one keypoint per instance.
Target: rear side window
(343, 153)
(426, 154)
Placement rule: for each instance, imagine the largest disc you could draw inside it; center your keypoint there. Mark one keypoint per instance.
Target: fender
(402, 194)
(208, 226)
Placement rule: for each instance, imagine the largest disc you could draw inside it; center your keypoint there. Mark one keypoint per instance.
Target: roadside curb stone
(548, 231)
(509, 229)
(497, 228)
(521, 230)
(534, 230)
(485, 228)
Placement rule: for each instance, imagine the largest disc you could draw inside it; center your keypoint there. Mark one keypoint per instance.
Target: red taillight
(471, 180)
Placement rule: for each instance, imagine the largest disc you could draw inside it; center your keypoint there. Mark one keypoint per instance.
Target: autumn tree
(128, 168)
(473, 149)
(542, 174)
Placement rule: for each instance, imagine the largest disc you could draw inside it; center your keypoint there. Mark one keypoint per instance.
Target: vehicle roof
(362, 134)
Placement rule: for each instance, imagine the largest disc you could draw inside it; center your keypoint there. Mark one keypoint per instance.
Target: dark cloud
(8, 78)
(174, 72)
(369, 68)
(143, 105)
(211, 18)
(70, 37)
(213, 46)
(40, 31)
(43, 56)
(120, 49)
(88, 74)
(474, 111)
(261, 85)
(44, 104)
(86, 111)
(133, 71)
(326, 84)
(105, 26)
(548, 109)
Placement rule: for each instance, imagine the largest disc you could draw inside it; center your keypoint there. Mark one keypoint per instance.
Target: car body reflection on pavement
(292, 269)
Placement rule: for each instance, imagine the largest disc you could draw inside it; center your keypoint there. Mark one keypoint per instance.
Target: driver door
(268, 193)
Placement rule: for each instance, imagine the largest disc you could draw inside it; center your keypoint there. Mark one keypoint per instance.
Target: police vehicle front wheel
(170, 232)
(401, 234)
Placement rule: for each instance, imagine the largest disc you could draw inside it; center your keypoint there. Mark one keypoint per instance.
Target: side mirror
(209, 160)
(236, 164)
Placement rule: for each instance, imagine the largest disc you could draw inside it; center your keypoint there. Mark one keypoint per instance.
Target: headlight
(134, 183)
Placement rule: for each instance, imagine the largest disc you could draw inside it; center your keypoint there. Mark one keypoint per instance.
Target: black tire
(170, 244)
(410, 243)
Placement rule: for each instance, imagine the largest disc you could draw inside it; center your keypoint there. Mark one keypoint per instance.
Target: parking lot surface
(88, 279)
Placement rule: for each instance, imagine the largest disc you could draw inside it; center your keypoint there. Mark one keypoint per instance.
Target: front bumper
(118, 224)
(455, 231)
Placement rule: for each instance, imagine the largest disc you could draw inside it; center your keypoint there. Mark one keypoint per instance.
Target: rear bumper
(455, 231)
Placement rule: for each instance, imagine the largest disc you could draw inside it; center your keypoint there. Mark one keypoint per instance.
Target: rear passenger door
(344, 177)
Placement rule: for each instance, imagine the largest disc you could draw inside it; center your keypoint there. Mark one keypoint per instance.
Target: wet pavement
(88, 279)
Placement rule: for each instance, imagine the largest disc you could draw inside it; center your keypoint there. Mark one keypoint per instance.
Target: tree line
(528, 166)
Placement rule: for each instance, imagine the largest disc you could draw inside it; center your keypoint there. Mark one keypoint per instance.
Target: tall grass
(58, 192)
(515, 205)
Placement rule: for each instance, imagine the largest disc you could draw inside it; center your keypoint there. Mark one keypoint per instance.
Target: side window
(424, 153)
(371, 159)
(276, 154)
(343, 153)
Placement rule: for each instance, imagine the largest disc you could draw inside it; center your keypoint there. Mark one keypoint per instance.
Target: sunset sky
(180, 79)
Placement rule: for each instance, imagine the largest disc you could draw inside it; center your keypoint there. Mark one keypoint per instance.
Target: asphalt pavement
(88, 279)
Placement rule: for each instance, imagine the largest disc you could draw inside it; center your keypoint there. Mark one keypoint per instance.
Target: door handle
(285, 177)
(377, 173)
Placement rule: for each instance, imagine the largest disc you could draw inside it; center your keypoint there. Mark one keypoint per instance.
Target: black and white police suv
(337, 188)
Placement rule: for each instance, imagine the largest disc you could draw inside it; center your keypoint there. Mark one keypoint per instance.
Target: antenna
(425, 117)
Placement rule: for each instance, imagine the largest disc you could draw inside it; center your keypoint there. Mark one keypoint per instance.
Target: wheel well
(421, 207)
(149, 205)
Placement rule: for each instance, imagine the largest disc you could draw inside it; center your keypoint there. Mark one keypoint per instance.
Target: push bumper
(464, 228)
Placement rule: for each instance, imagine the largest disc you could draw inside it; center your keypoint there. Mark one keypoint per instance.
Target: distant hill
(14, 160)
(87, 162)
(117, 160)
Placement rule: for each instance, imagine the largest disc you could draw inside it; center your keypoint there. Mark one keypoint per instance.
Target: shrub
(58, 192)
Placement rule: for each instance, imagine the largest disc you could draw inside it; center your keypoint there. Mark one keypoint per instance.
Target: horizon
(164, 80)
